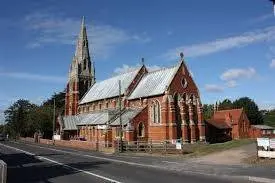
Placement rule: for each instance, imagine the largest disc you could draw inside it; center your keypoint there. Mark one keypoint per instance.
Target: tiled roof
(234, 113)
(263, 127)
(154, 83)
(126, 116)
(220, 124)
(109, 88)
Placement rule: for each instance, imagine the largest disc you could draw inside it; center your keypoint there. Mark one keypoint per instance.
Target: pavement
(28, 162)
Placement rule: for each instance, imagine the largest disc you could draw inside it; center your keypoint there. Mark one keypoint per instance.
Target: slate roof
(154, 83)
(263, 127)
(127, 115)
(109, 88)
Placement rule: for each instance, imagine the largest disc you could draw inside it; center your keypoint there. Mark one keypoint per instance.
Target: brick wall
(77, 144)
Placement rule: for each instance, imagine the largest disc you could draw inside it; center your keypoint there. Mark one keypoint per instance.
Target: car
(2, 137)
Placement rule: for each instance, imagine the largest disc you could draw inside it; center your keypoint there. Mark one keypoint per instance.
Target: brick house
(155, 105)
(227, 125)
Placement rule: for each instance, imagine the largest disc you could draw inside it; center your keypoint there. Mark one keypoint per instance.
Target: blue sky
(229, 46)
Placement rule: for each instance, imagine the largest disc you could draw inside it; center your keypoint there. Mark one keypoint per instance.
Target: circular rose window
(184, 83)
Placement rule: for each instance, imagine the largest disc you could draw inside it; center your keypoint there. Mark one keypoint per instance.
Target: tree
(17, 117)
(251, 109)
(208, 110)
(225, 104)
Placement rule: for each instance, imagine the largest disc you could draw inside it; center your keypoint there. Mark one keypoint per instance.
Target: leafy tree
(24, 118)
(269, 117)
(251, 109)
(225, 104)
(17, 117)
(208, 110)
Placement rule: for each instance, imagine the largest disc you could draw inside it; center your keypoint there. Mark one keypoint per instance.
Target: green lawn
(195, 150)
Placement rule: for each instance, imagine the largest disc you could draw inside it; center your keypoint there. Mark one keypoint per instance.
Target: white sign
(272, 143)
(101, 127)
(56, 137)
(178, 145)
(263, 142)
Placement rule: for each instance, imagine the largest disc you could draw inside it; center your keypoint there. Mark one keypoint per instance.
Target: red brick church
(155, 105)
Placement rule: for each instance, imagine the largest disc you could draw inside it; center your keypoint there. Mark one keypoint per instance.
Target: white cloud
(231, 84)
(262, 18)
(51, 28)
(234, 74)
(272, 64)
(34, 77)
(127, 68)
(213, 88)
(219, 45)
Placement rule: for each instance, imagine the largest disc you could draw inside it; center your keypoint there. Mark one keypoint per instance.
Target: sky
(229, 46)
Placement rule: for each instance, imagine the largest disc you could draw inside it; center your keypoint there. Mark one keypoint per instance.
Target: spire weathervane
(142, 61)
(181, 55)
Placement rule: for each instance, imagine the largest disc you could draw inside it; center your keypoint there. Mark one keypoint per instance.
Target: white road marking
(97, 157)
(62, 164)
(229, 177)
(172, 162)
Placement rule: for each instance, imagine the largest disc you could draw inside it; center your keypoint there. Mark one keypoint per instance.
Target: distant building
(159, 105)
(258, 131)
(227, 125)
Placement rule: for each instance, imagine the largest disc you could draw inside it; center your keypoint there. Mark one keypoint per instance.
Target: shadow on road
(26, 168)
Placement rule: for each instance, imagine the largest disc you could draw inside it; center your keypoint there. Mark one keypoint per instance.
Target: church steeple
(81, 74)
(82, 46)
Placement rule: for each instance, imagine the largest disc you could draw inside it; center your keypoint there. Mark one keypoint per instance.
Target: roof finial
(142, 61)
(181, 55)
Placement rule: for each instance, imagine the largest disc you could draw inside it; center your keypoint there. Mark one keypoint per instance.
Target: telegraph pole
(53, 117)
(120, 122)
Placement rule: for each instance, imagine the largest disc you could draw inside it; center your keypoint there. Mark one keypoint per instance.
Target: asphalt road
(33, 163)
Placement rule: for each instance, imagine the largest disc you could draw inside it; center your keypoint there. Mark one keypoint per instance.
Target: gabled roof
(154, 83)
(109, 88)
(235, 114)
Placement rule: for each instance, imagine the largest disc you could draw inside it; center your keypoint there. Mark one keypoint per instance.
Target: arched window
(155, 112)
(141, 130)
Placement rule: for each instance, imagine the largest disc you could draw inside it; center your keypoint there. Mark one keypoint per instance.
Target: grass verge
(196, 150)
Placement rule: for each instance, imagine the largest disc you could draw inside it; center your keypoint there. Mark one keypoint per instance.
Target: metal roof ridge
(161, 69)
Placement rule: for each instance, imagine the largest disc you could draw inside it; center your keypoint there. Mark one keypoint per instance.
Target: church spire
(81, 73)
(82, 47)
